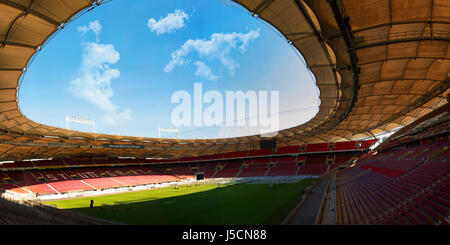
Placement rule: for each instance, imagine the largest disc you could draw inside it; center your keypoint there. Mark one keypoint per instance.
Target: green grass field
(242, 204)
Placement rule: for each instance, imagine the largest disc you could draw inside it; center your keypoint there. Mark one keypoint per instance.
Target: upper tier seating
(406, 183)
(97, 161)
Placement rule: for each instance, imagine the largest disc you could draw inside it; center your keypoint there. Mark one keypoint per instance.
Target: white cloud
(93, 83)
(170, 23)
(218, 47)
(203, 70)
(93, 26)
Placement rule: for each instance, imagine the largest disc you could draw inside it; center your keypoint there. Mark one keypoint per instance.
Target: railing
(322, 204)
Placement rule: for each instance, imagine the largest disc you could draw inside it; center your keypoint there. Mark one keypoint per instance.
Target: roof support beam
(262, 6)
(445, 52)
(8, 110)
(12, 118)
(387, 93)
(403, 58)
(24, 13)
(308, 19)
(400, 79)
(390, 14)
(7, 101)
(10, 69)
(357, 117)
(16, 44)
(26, 10)
(403, 40)
(344, 26)
(431, 14)
(5, 152)
(300, 34)
(400, 23)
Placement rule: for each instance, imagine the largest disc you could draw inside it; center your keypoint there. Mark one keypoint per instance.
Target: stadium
(375, 153)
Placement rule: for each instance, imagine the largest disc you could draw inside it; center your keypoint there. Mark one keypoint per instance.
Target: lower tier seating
(76, 178)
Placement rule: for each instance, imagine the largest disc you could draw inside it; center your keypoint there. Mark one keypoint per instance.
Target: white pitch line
(88, 184)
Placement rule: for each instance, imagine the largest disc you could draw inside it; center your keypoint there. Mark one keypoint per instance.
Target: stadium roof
(379, 64)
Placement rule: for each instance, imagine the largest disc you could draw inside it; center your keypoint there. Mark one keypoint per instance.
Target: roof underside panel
(384, 68)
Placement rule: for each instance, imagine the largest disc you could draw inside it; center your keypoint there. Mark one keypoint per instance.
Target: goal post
(168, 130)
(79, 120)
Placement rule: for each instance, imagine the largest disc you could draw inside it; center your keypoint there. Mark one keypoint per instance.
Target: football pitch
(241, 204)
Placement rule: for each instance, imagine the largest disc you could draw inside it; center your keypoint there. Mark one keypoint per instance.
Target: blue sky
(120, 64)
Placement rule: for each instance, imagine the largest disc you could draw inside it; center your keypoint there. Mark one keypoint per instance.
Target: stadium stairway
(308, 210)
